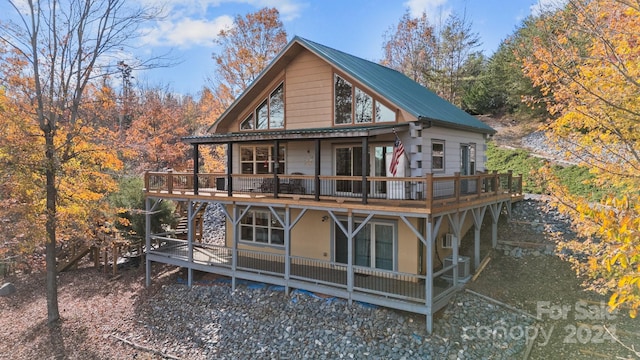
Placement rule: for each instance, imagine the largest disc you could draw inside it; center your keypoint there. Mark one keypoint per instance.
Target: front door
(379, 167)
(348, 163)
(465, 163)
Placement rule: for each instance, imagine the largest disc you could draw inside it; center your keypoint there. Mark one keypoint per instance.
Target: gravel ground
(120, 319)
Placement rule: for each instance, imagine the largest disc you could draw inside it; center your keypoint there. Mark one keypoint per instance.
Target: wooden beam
(483, 264)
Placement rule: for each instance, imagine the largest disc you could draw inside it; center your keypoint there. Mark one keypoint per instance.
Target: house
(343, 177)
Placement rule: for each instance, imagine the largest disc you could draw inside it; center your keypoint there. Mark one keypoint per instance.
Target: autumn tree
(245, 50)
(63, 45)
(161, 119)
(436, 56)
(409, 47)
(586, 63)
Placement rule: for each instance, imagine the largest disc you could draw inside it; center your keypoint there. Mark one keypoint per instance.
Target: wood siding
(308, 92)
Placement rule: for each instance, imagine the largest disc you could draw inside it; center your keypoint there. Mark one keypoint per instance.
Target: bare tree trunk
(53, 314)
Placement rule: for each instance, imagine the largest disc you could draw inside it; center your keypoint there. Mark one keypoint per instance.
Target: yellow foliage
(586, 62)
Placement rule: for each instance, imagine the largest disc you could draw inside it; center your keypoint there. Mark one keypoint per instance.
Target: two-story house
(343, 177)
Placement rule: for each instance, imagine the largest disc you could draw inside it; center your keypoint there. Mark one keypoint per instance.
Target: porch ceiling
(295, 134)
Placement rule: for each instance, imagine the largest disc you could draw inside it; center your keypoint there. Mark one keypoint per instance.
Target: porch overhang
(295, 134)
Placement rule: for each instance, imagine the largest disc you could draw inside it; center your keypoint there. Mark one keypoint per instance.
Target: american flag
(398, 151)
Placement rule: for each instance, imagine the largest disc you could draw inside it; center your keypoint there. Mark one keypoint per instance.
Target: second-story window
(353, 105)
(269, 114)
(343, 101)
(261, 160)
(437, 155)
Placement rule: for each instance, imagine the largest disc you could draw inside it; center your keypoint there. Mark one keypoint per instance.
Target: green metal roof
(397, 88)
(394, 86)
(294, 134)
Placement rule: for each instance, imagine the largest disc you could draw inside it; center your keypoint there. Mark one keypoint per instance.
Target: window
(343, 101)
(384, 114)
(248, 123)
(348, 163)
(276, 108)
(437, 155)
(364, 107)
(373, 245)
(260, 160)
(262, 119)
(269, 114)
(354, 105)
(472, 159)
(261, 226)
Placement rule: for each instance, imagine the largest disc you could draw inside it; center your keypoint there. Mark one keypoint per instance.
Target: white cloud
(433, 8)
(546, 5)
(186, 23)
(186, 32)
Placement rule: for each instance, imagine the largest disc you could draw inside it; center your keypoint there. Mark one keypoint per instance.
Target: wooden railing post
(496, 182)
(146, 181)
(510, 181)
(170, 181)
(520, 189)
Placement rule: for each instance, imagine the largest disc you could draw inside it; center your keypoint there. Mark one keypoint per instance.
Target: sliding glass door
(373, 246)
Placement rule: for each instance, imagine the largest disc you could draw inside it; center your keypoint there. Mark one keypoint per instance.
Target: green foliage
(519, 161)
(579, 181)
(502, 87)
(130, 200)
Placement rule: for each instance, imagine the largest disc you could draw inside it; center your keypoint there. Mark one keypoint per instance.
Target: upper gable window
(269, 114)
(384, 114)
(354, 105)
(276, 108)
(364, 107)
(343, 100)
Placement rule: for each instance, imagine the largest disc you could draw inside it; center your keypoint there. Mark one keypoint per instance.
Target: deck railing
(366, 280)
(429, 191)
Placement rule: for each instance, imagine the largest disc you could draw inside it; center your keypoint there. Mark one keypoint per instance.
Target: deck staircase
(182, 228)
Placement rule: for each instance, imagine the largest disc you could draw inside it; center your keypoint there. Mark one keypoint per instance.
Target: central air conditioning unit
(447, 241)
(464, 268)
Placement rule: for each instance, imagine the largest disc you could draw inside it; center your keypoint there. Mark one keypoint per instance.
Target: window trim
(270, 159)
(266, 100)
(270, 227)
(372, 222)
(374, 105)
(443, 156)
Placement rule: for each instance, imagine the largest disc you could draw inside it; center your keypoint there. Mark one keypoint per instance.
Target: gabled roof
(394, 86)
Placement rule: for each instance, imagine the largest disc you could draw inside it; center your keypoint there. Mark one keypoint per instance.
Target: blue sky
(353, 26)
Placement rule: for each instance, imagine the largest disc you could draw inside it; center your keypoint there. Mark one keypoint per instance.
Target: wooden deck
(427, 194)
(219, 260)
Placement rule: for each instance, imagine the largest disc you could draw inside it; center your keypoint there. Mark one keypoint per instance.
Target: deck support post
(456, 221)
(190, 231)
(426, 236)
(350, 256)
(234, 252)
(429, 274)
(287, 248)
(478, 216)
(494, 209)
(147, 240)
